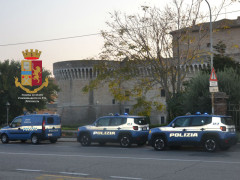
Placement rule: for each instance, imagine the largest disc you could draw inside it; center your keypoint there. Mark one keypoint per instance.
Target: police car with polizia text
(210, 131)
(125, 129)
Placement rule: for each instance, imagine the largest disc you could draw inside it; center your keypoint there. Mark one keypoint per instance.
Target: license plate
(49, 134)
(144, 128)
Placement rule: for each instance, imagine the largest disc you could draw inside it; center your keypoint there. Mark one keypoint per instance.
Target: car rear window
(116, 121)
(201, 120)
(140, 121)
(50, 120)
(227, 120)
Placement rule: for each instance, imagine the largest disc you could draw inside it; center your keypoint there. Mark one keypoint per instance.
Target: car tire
(125, 141)
(35, 139)
(210, 144)
(53, 140)
(85, 140)
(159, 143)
(23, 141)
(4, 139)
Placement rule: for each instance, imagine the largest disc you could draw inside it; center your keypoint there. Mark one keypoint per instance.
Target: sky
(35, 20)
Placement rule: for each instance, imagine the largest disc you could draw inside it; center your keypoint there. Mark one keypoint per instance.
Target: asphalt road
(71, 161)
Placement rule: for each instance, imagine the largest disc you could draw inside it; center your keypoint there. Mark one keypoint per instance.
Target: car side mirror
(173, 125)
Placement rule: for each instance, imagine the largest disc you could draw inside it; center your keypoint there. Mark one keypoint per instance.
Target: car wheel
(210, 144)
(4, 139)
(34, 139)
(125, 141)
(85, 140)
(159, 143)
(53, 140)
(23, 141)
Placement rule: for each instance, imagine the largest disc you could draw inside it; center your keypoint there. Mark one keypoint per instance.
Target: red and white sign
(213, 82)
(213, 76)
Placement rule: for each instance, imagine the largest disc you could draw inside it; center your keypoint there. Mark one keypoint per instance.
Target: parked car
(124, 129)
(210, 131)
(36, 127)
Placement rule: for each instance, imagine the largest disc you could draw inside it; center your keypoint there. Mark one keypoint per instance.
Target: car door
(16, 130)
(197, 127)
(115, 126)
(101, 128)
(53, 127)
(176, 132)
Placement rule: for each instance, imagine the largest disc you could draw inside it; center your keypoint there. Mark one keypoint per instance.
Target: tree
(10, 93)
(197, 95)
(221, 60)
(147, 53)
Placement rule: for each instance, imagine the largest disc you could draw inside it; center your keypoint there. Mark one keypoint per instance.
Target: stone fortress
(77, 108)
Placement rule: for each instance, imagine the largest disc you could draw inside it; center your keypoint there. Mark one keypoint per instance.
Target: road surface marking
(69, 177)
(119, 177)
(72, 173)
(29, 170)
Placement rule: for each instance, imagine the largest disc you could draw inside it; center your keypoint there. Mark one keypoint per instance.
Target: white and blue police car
(210, 131)
(35, 127)
(124, 129)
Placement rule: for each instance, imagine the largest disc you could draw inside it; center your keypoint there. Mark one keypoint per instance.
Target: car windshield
(227, 120)
(140, 121)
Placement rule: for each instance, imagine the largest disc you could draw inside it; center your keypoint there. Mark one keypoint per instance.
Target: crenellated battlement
(86, 70)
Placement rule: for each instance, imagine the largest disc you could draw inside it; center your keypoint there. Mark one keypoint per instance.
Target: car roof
(38, 115)
(126, 116)
(203, 115)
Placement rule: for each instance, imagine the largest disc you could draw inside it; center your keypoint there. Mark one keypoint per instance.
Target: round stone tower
(75, 106)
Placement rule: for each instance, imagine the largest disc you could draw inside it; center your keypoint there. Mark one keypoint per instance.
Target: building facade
(77, 107)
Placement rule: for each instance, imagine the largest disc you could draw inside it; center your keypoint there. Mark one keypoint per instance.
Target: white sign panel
(213, 89)
(213, 83)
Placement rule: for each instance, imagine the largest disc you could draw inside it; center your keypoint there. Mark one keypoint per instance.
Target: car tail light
(43, 125)
(223, 128)
(135, 127)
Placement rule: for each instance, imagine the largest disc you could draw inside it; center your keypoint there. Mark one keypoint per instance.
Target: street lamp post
(97, 102)
(211, 50)
(211, 43)
(8, 105)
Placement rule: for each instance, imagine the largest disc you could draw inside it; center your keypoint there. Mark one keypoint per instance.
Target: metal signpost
(213, 82)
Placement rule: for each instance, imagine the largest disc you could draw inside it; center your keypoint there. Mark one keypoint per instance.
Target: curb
(67, 140)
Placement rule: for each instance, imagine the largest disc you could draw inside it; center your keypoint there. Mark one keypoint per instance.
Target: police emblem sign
(31, 72)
